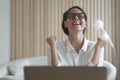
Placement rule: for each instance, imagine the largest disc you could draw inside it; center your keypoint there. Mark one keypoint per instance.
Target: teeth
(76, 23)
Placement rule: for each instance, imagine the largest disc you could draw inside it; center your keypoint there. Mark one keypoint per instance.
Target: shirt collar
(85, 45)
(70, 47)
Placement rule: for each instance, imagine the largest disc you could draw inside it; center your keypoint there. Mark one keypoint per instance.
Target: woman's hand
(100, 43)
(51, 40)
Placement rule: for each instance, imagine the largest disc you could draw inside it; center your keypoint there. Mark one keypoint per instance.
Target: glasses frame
(73, 15)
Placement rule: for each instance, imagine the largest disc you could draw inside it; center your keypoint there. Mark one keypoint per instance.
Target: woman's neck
(76, 41)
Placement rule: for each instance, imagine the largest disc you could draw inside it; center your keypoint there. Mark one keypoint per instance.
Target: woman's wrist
(53, 46)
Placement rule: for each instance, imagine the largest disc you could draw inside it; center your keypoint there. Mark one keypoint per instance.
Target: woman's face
(75, 21)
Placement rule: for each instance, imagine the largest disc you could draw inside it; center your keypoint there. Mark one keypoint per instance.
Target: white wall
(4, 31)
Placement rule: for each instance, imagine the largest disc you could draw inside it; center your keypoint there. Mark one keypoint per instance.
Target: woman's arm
(52, 43)
(96, 57)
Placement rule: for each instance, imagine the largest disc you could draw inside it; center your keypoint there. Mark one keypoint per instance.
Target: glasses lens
(73, 15)
(80, 16)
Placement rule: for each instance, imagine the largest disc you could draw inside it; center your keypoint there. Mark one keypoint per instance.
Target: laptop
(64, 73)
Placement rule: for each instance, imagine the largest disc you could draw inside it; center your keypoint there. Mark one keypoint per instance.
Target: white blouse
(69, 57)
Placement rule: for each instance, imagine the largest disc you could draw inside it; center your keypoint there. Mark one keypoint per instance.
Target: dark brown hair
(65, 30)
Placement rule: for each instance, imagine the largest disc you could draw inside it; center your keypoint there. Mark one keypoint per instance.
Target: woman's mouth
(76, 23)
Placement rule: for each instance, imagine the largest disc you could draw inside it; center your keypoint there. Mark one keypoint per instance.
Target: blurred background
(25, 25)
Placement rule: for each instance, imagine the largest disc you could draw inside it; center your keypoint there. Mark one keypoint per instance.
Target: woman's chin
(78, 29)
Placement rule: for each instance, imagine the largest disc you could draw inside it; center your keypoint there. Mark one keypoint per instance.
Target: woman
(76, 50)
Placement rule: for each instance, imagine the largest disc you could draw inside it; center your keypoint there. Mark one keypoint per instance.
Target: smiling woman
(76, 45)
(77, 50)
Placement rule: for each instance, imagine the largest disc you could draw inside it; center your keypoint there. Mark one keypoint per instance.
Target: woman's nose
(76, 17)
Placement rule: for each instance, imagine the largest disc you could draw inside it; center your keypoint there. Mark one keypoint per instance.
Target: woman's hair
(65, 18)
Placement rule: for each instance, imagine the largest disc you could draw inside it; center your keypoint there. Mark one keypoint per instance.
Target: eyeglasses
(73, 15)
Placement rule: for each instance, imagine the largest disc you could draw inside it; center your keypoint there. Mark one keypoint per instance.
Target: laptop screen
(64, 73)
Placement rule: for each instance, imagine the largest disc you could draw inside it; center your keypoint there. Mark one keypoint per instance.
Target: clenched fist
(51, 40)
(100, 43)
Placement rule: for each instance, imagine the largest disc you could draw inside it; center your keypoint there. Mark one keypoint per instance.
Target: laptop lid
(64, 73)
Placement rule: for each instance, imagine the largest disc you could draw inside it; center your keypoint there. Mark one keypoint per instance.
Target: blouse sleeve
(101, 60)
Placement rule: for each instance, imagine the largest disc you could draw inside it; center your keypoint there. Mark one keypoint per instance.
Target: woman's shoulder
(91, 43)
(61, 44)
